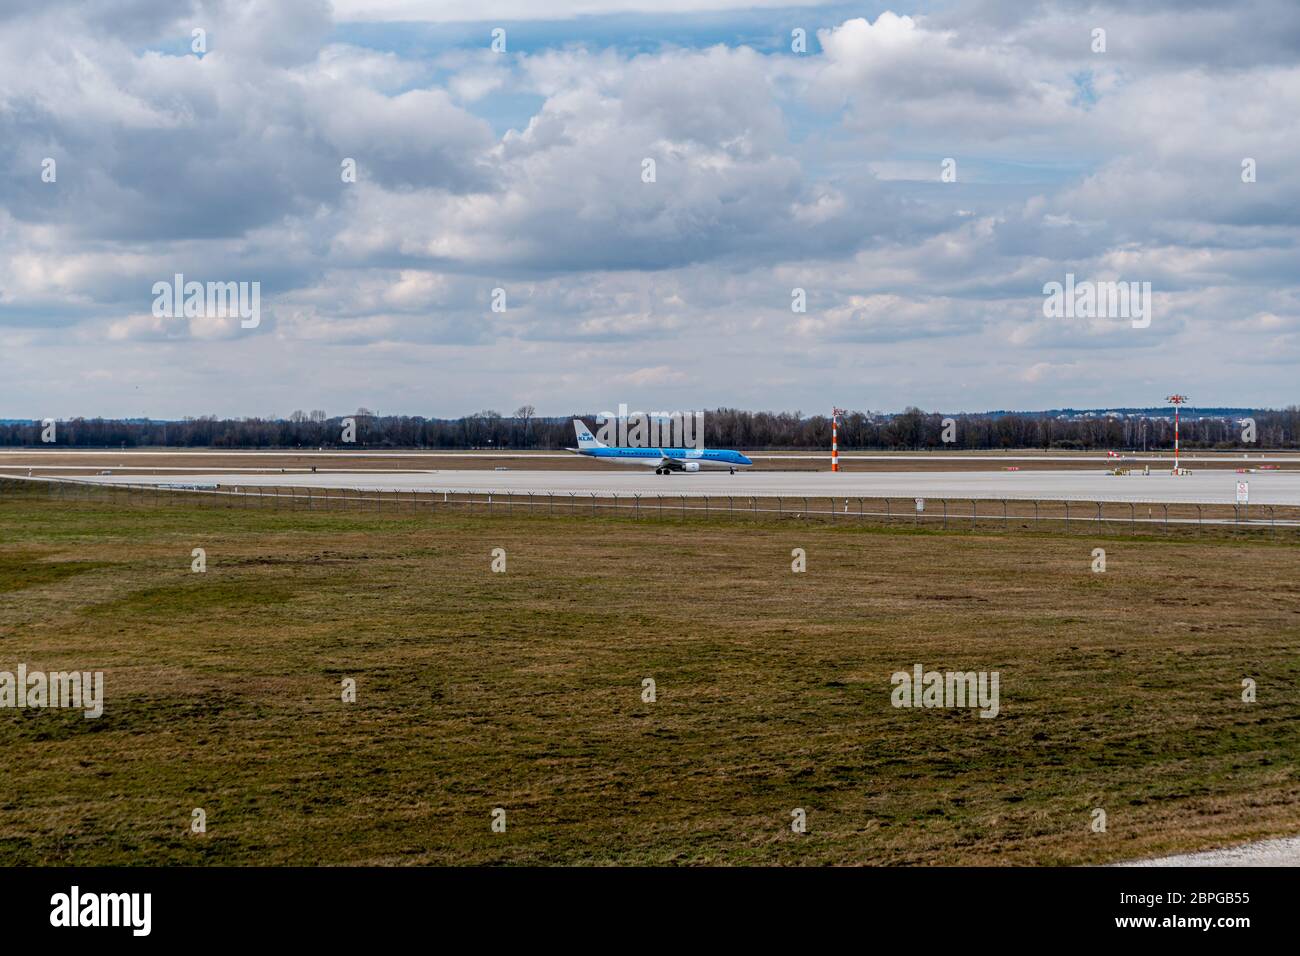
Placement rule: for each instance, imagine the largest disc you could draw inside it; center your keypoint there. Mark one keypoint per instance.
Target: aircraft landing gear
(733, 471)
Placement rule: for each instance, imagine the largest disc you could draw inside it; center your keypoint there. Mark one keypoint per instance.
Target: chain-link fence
(933, 513)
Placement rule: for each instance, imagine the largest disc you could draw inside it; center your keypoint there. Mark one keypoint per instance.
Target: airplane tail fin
(585, 438)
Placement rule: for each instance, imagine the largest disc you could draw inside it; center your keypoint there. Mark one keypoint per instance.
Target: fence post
(1098, 515)
(1132, 518)
(945, 513)
(1067, 515)
(1166, 519)
(638, 505)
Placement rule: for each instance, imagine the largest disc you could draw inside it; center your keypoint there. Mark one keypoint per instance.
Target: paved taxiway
(1204, 487)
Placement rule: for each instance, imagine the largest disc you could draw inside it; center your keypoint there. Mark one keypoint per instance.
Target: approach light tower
(835, 437)
(1176, 401)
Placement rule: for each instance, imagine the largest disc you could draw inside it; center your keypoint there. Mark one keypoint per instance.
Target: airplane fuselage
(705, 458)
(664, 461)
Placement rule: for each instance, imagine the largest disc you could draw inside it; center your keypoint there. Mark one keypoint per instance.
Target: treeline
(723, 428)
(917, 430)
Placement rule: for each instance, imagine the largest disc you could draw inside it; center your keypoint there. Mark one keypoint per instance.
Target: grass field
(523, 690)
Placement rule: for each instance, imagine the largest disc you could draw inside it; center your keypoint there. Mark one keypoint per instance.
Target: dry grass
(523, 690)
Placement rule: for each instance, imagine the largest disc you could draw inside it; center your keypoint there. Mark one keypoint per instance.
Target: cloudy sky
(523, 170)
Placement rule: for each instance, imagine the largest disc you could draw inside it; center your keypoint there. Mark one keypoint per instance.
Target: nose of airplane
(745, 460)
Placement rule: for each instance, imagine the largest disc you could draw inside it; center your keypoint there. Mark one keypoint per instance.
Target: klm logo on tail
(585, 437)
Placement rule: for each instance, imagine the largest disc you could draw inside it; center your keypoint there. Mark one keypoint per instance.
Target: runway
(1205, 487)
(26, 456)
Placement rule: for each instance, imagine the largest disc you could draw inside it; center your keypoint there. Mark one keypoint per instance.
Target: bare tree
(525, 414)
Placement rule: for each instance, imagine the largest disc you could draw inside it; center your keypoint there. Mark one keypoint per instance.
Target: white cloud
(451, 11)
(774, 171)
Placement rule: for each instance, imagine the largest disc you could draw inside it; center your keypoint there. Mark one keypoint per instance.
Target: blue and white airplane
(664, 460)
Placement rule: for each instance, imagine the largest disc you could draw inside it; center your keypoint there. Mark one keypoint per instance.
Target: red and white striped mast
(1176, 401)
(835, 437)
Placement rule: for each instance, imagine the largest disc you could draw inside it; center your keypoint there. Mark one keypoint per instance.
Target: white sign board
(920, 504)
(1243, 492)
